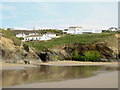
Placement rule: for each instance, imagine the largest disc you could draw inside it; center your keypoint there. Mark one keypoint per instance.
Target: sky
(60, 15)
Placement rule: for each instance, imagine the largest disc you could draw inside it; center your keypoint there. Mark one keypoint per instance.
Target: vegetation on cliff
(7, 34)
(69, 39)
(92, 55)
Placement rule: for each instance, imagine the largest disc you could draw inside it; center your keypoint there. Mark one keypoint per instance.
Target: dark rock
(64, 53)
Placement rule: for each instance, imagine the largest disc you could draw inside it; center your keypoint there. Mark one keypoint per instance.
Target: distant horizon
(59, 15)
(39, 28)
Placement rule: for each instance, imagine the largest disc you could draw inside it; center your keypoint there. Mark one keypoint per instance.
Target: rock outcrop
(66, 52)
(17, 54)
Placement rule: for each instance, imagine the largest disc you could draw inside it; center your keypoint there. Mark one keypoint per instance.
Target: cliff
(86, 47)
(106, 51)
(12, 53)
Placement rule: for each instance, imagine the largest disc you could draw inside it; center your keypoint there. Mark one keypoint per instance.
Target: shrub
(76, 56)
(26, 47)
(56, 57)
(92, 55)
(21, 38)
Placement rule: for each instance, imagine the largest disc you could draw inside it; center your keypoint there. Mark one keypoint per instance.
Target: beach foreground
(104, 80)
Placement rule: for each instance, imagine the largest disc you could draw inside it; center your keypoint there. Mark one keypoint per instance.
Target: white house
(33, 34)
(32, 38)
(45, 38)
(36, 38)
(75, 30)
(20, 35)
(85, 31)
(112, 29)
(97, 31)
(51, 35)
(65, 31)
(79, 30)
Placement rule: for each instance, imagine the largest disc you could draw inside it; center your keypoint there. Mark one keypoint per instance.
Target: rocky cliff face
(106, 51)
(78, 52)
(16, 54)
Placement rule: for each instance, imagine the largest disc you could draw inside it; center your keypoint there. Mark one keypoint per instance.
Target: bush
(26, 47)
(92, 55)
(56, 57)
(21, 38)
(76, 56)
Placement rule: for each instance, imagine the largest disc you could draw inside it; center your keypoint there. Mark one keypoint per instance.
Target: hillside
(85, 47)
(70, 39)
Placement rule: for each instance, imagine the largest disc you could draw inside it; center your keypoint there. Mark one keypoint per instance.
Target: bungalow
(51, 35)
(79, 30)
(65, 31)
(32, 38)
(73, 30)
(87, 31)
(20, 35)
(36, 38)
(45, 38)
(112, 29)
(33, 34)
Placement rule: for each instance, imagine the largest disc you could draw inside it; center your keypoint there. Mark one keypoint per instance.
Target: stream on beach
(44, 73)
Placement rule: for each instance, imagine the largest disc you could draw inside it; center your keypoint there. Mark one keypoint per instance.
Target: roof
(75, 27)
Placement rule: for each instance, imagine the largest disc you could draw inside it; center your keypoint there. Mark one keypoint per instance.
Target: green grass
(69, 39)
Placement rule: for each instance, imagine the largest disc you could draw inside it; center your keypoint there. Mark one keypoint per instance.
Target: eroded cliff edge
(106, 51)
(12, 53)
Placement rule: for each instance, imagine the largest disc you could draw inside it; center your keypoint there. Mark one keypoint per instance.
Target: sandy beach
(78, 63)
(58, 63)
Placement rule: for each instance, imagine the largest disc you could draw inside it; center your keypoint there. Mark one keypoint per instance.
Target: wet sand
(58, 63)
(104, 80)
(6, 66)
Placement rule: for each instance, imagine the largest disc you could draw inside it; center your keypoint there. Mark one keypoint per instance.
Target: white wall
(74, 30)
(20, 35)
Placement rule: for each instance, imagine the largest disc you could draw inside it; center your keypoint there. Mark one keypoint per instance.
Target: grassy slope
(9, 35)
(68, 39)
